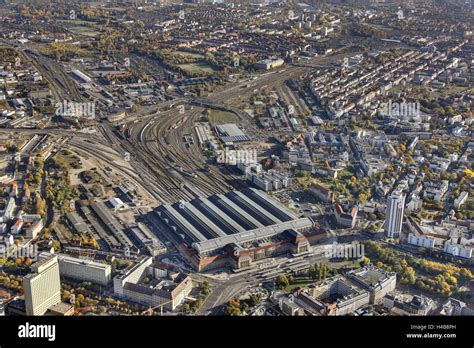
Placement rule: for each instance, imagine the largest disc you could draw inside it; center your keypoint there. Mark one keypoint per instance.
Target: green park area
(221, 116)
(197, 68)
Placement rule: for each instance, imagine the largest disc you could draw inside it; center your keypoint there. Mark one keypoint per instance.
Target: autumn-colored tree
(233, 307)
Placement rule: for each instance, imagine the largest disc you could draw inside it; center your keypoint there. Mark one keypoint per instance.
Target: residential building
(322, 193)
(401, 305)
(34, 229)
(458, 247)
(17, 226)
(346, 218)
(421, 241)
(461, 199)
(9, 209)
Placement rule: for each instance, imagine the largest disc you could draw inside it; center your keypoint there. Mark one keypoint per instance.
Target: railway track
(158, 143)
(168, 143)
(164, 161)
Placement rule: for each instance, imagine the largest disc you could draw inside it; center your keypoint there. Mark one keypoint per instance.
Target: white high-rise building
(42, 287)
(394, 214)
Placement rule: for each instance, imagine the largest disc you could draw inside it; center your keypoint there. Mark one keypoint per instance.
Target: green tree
(255, 299)
(282, 282)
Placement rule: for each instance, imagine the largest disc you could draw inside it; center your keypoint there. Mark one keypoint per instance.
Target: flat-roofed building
(461, 199)
(334, 296)
(376, 281)
(76, 222)
(42, 287)
(85, 270)
(267, 64)
(421, 241)
(230, 132)
(453, 247)
(111, 223)
(61, 310)
(451, 237)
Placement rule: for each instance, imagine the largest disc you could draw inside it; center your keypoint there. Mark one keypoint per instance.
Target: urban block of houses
(152, 284)
(451, 238)
(400, 304)
(342, 295)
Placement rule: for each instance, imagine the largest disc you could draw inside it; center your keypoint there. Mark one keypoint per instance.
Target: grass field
(83, 31)
(190, 54)
(301, 283)
(197, 68)
(219, 116)
(80, 27)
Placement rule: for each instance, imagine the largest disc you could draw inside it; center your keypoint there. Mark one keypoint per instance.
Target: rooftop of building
(371, 276)
(247, 216)
(84, 262)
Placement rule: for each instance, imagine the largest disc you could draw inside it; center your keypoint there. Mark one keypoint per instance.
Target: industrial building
(111, 223)
(109, 239)
(76, 222)
(230, 132)
(147, 240)
(268, 64)
(236, 229)
(79, 75)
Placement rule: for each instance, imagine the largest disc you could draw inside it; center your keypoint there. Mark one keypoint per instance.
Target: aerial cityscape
(236, 158)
